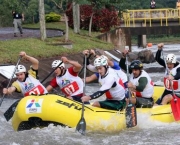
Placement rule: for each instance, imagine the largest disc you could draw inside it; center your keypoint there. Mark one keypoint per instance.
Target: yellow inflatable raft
(39, 111)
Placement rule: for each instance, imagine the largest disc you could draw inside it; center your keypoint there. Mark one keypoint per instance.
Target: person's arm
(49, 88)
(104, 88)
(177, 76)
(122, 64)
(34, 61)
(22, 16)
(158, 55)
(91, 78)
(75, 64)
(114, 64)
(9, 90)
(52, 85)
(159, 59)
(89, 66)
(14, 88)
(142, 84)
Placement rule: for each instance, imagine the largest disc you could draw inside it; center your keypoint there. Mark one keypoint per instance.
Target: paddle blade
(10, 112)
(81, 126)
(175, 106)
(131, 116)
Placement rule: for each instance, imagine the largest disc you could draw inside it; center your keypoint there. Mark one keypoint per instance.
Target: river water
(145, 133)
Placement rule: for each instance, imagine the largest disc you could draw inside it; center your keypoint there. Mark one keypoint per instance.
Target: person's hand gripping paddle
(130, 111)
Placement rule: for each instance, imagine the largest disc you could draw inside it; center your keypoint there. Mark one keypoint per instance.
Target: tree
(59, 4)
(42, 20)
(32, 10)
(99, 4)
(76, 14)
(76, 17)
(6, 7)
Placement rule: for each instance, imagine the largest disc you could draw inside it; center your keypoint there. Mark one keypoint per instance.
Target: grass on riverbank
(39, 49)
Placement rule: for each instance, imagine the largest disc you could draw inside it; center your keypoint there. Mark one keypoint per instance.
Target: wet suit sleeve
(16, 85)
(33, 72)
(116, 65)
(91, 68)
(104, 88)
(88, 65)
(142, 84)
(97, 94)
(177, 76)
(122, 64)
(87, 59)
(159, 59)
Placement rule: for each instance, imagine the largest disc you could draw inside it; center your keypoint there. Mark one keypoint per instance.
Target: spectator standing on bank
(17, 22)
(153, 4)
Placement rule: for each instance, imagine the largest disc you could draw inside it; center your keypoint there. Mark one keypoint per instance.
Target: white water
(146, 132)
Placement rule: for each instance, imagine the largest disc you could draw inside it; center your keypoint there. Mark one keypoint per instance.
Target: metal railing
(130, 17)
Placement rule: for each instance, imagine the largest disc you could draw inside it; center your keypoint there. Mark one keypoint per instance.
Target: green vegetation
(30, 7)
(39, 49)
(52, 17)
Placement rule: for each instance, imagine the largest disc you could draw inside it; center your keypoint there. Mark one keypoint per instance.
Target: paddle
(175, 102)
(130, 112)
(9, 113)
(81, 126)
(10, 79)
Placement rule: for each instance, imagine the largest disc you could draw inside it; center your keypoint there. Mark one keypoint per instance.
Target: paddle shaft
(130, 114)
(127, 69)
(84, 84)
(81, 126)
(11, 78)
(51, 72)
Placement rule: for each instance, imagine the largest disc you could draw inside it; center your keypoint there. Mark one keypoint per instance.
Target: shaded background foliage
(30, 8)
(103, 19)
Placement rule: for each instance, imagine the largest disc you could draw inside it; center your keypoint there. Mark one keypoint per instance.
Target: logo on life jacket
(65, 82)
(28, 86)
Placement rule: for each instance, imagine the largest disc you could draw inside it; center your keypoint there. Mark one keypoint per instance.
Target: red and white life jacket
(32, 86)
(115, 93)
(175, 83)
(69, 84)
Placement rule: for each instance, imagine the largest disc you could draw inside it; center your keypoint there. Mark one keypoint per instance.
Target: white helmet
(20, 68)
(100, 62)
(55, 63)
(103, 56)
(171, 58)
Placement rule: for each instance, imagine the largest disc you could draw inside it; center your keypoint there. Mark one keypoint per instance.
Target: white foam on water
(15, 143)
(144, 121)
(147, 132)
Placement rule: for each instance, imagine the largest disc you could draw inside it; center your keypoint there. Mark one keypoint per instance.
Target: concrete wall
(121, 36)
(117, 37)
